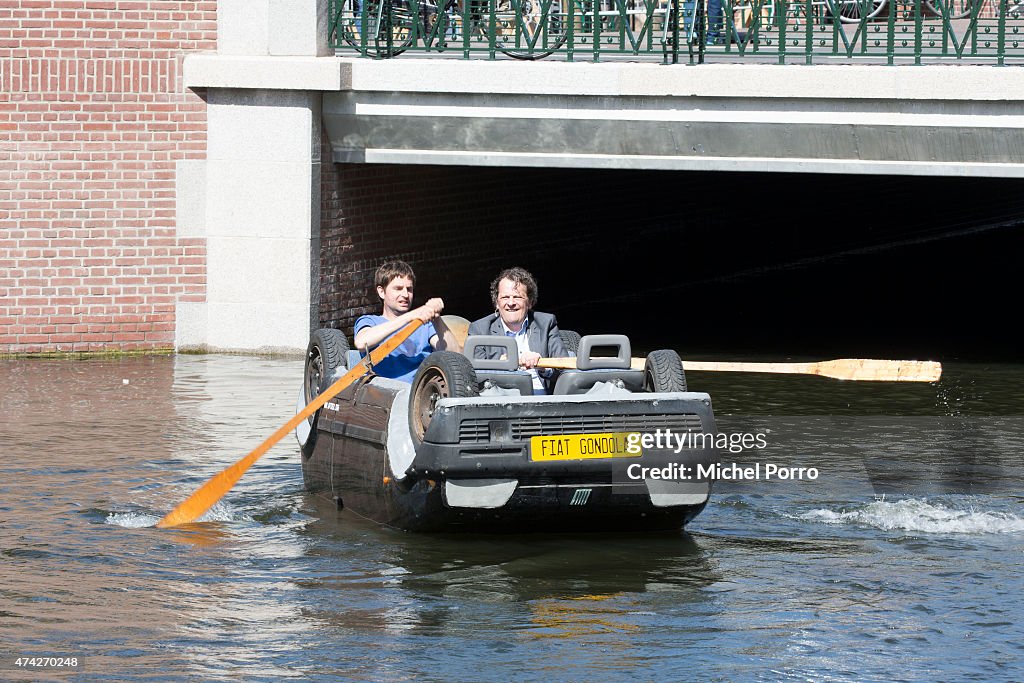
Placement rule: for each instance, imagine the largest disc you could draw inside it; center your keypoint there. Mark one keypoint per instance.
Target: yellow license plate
(582, 446)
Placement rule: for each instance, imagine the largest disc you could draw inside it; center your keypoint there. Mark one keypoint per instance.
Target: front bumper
(481, 448)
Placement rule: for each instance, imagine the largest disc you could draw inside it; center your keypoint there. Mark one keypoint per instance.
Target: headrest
(621, 361)
(503, 345)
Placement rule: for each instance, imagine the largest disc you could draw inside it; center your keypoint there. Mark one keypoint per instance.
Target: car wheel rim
(314, 374)
(433, 389)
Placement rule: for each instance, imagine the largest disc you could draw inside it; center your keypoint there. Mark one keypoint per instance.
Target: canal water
(901, 560)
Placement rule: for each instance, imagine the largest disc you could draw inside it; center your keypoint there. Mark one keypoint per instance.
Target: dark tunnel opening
(759, 264)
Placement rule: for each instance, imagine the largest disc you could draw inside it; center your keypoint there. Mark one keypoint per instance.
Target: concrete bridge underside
(949, 121)
(935, 120)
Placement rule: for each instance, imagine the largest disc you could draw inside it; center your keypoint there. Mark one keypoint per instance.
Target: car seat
(593, 369)
(501, 369)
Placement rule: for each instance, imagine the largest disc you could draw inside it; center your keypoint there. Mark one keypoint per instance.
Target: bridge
(322, 160)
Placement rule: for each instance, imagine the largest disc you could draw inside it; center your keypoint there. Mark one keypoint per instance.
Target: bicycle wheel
(387, 26)
(851, 11)
(529, 29)
(955, 9)
(345, 26)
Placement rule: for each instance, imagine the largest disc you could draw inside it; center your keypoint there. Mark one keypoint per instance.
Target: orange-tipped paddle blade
(209, 493)
(196, 505)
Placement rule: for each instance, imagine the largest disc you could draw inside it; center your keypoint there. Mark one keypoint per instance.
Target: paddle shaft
(209, 493)
(858, 369)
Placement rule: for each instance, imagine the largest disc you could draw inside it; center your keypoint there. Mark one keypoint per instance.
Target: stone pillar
(260, 190)
(294, 28)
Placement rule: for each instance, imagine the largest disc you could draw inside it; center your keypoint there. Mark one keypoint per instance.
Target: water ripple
(776, 580)
(914, 514)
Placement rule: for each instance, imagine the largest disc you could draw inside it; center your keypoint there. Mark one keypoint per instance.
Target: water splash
(220, 512)
(132, 520)
(914, 514)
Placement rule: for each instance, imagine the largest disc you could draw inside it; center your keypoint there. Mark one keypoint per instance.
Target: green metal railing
(806, 31)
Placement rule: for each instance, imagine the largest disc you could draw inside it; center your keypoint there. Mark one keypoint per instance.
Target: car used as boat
(468, 446)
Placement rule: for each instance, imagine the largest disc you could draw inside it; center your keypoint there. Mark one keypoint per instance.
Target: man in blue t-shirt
(395, 281)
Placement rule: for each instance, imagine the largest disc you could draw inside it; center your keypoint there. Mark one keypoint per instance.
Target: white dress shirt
(523, 343)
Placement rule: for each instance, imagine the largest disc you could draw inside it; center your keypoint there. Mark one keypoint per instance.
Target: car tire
(325, 353)
(663, 372)
(444, 374)
(570, 340)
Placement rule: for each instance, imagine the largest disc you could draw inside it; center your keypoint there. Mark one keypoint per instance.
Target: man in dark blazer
(514, 294)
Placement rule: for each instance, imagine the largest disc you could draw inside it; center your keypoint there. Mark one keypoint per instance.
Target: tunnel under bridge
(745, 205)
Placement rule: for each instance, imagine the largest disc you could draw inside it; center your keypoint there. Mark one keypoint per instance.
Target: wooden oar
(213, 490)
(858, 369)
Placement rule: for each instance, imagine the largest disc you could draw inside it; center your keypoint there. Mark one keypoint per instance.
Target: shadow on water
(570, 583)
(202, 535)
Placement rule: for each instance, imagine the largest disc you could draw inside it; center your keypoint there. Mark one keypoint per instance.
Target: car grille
(476, 430)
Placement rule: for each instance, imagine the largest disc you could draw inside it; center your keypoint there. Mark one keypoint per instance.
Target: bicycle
(850, 11)
(522, 29)
(854, 11)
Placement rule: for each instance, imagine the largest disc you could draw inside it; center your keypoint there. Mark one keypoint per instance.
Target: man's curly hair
(519, 276)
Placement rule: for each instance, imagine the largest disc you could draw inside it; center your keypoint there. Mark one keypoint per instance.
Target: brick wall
(457, 226)
(93, 117)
